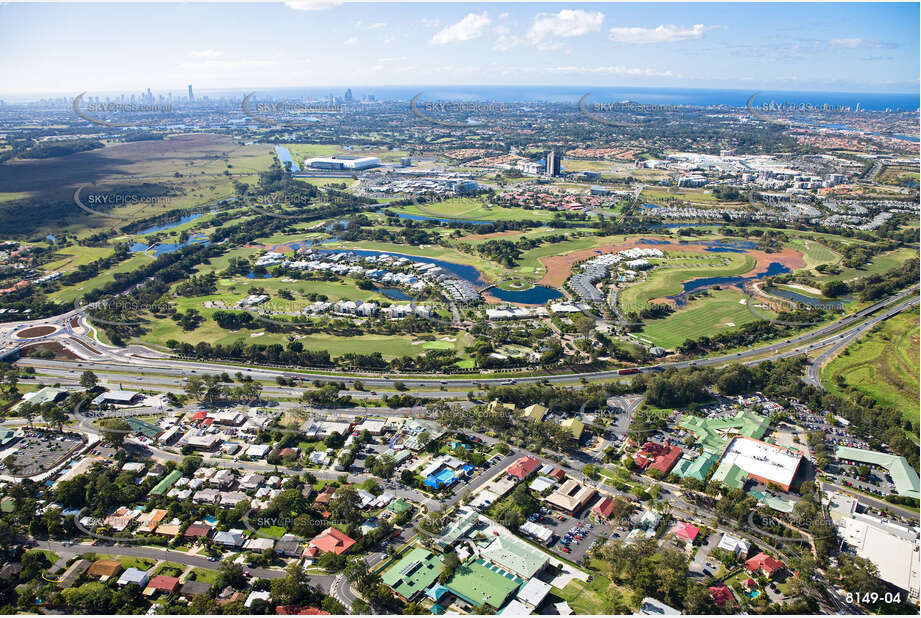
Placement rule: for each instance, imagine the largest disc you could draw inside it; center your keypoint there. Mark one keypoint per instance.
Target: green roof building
(696, 469)
(167, 482)
(903, 475)
(730, 475)
(479, 583)
(399, 506)
(148, 429)
(413, 574)
(457, 529)
(714, 434)
(44, 395)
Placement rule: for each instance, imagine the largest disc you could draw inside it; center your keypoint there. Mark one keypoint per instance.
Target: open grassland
(326, 181)
(161, 331)
(472, 209)
(717, 311)
(70, 258)
(587, 165)
(71, 293)
(299, 152)
(883, 364)
(893, 175)
(660, 196)
(185, 171)
(665, 281)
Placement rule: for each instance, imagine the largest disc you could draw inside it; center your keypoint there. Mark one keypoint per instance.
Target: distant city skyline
(849, 47)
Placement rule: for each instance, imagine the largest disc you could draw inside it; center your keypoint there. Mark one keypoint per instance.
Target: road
(812, 372)
(138, 358)
(324, 582)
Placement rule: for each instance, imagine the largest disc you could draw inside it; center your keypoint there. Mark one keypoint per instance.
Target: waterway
(167, 226)
(161, 248)
(285, 157)
(537, 295)
(701, 283)
(394, 293)
(824, 303)
(461, 271)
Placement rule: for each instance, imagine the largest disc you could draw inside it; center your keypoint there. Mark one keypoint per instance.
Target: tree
(345, 507)
(194, 387)
(88, 380)
(292, 589)
(114, 431)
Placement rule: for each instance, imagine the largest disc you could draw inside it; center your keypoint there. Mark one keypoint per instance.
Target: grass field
(471, 209)
(814, 253)
(190, 167)
(299, 152)
(883, 364)
(71, 293)
(663, 281)
(660, 196)
(530, 266)
(718, 311)
(594, 597)
(879, 264)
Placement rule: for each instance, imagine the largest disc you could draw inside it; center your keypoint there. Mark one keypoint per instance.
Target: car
(565, 549)
(212, 559)
(245, 573)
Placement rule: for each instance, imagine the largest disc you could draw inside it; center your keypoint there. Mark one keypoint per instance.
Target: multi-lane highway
(137, 359)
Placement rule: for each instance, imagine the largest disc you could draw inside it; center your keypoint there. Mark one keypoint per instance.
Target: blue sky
(70, 48)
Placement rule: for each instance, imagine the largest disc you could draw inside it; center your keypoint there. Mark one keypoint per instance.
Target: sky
(70, 48)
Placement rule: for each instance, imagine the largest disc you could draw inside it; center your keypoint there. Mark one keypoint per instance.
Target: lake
(695, 285)
(537, 295)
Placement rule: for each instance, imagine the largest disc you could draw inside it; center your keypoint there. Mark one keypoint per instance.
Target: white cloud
(858, 43)
(312, 5)
(378, 25)
(430, 23)
(660, 34)
(566, 23)
(471, 27)
(848, 43)
(213, 66)
(206, 53)
(350, 41)
(612, 70)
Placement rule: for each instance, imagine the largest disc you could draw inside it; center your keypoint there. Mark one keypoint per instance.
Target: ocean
(652, 96)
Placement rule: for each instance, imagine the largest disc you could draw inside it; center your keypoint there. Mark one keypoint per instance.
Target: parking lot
(561, 524)
(39, 451)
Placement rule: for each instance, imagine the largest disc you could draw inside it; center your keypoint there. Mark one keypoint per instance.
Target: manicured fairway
(718, 312)
(471, 209)
(664, 281)
(879, 264)
(814, 253)
(883, 365)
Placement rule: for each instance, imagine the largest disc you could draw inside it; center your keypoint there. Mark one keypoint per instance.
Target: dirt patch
(54, 347)
(36, 331)
(559, 266)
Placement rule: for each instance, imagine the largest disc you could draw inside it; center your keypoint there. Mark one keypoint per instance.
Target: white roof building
(894, 549)
(533, 593)
(739, 547)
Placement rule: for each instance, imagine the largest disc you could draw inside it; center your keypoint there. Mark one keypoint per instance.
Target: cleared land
(883, 365)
